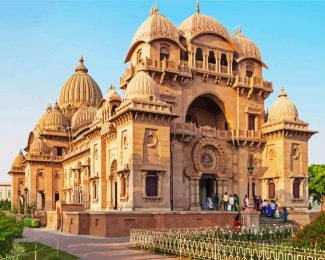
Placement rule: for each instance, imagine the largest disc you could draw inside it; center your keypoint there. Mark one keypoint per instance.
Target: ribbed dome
(80, 89)
(154, 27)
(246, 46)
(282, 109)
(200, 23)
(142, 86)
(18, 160)
(83, 117)
(55, 120)
(38, 147)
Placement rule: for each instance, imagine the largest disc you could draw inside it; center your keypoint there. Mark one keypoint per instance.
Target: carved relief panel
(151, 147)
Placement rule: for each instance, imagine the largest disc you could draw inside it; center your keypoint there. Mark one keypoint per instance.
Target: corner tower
(285, 156)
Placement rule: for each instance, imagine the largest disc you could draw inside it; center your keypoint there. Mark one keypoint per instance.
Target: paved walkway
(89, 247)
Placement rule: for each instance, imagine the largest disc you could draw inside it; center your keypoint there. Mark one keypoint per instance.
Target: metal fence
(176, 244)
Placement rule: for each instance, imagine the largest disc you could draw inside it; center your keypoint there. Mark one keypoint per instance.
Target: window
(184, 55)
(198, 55)
(9, 194)
(296, 186)
(123, 186)
(113, 111)
(152, 185)
(59, 151)
(251, 122)
(223, 61)
(249, 70)
(164, 53)
(271, 190)
(94, 190)
(0, 195)
(211, 58)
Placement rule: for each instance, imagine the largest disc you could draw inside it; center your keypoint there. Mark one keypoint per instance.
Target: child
(276, 213)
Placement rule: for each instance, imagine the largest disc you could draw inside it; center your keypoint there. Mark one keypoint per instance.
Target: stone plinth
(250, 218)
(118, 224)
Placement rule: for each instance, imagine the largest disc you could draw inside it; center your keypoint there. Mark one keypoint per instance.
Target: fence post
(57, 247)
(35, 255)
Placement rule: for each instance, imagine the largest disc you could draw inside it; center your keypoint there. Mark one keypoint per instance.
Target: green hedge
(10, 228)
(311, 236)
(36, 223)
(32, 223)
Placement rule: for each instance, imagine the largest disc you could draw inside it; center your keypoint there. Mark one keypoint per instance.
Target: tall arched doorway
(207, 188)
(207, 110)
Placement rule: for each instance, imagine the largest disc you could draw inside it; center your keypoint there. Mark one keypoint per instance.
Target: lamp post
(250, 170)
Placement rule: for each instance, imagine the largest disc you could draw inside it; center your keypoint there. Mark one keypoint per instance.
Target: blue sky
(40, 43)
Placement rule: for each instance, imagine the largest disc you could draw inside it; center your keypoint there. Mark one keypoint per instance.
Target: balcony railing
(199, 64)
(212, 66)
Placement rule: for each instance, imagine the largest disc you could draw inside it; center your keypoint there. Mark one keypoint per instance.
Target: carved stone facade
(190, 124)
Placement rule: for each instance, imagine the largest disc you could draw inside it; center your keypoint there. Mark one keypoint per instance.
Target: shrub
(312, 235)
(10, 228)
(36, 223)
(17, 252)
(5, 205)
(27, 222)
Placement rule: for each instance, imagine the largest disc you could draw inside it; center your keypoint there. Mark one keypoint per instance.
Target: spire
(282, 93)
(197, 7)
(154, 10)
(81, 67)
(237, 30)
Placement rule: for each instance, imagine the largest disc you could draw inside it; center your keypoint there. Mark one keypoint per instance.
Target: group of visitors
(227, 202)
(269, 208)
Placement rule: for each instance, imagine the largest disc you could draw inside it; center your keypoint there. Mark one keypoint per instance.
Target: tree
(316, 181)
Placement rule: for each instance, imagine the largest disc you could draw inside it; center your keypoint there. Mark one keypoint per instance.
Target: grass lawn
(44, 252)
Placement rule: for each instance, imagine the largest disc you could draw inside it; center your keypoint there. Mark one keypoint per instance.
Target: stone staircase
(265, 221)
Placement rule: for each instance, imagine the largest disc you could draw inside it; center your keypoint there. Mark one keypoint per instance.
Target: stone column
(192, 194)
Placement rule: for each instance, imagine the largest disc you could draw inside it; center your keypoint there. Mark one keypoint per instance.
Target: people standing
(210, 203)
(285, 215)
(237, 203)
(231, 203)
(246, 203)
(216, 202)
(225, 201)
(276, 213)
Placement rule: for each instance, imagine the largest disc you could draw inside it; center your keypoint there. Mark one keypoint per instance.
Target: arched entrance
(207, 188)
(207, 110)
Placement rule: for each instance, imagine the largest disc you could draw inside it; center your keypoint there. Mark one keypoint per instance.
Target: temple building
(191, 123)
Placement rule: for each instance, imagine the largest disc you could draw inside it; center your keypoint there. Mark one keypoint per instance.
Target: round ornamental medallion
(209, 156)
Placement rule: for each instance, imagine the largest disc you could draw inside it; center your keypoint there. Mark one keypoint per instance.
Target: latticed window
(296, 186)
(152, 185)
(271, 190)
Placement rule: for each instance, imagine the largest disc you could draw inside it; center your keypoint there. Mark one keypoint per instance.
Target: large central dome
(80, 89)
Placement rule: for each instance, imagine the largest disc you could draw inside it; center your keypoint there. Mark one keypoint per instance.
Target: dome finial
(81, 67)
(282, 92)
(197, 7)
(154, 10)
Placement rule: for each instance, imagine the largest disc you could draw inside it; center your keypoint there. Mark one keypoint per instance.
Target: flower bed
(200, 244)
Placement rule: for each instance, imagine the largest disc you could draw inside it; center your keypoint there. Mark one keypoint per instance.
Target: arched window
(113, 111)
(184, 55)
(249, 69)
(164, 53)
(152, 185)
(191, 118)
(139, 56)
(211, 58)
(199, 55)
(223, 60)
(296, 186)
(271, 190)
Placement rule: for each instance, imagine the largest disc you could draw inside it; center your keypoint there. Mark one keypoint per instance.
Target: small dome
(282, 109)
(199, 23)
(80, 89)
(112, 94)
(18, 160)
(142, 86)
(83, 117)
(246, 47)
(55, 120)
(154, 27)
(38, 147)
